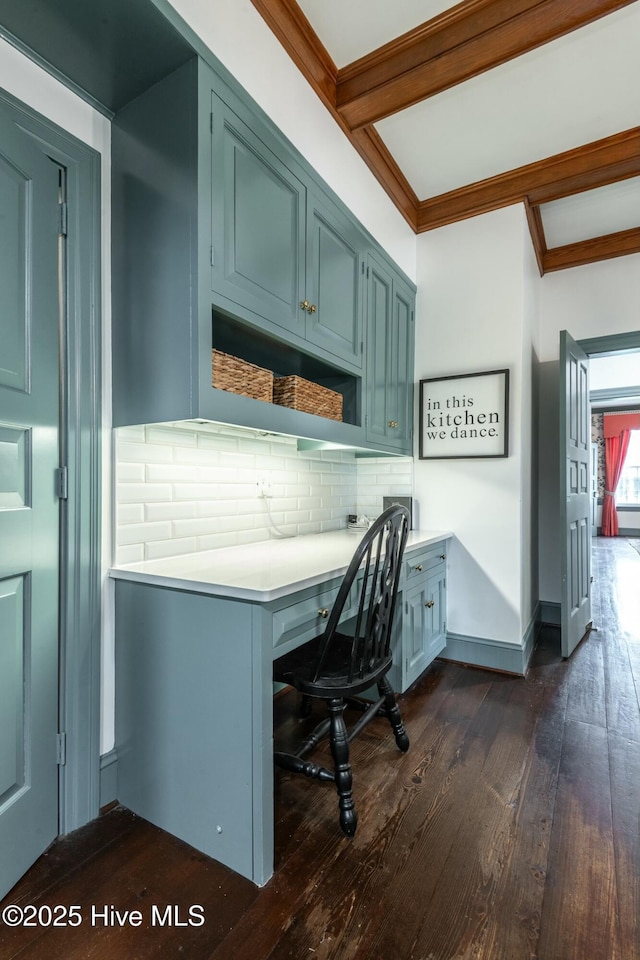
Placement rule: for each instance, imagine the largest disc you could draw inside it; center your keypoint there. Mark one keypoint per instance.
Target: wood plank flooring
(509, 831)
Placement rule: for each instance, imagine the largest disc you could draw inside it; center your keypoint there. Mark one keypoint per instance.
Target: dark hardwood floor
(509, 830)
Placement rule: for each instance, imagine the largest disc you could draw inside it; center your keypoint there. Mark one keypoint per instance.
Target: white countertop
(261, 571)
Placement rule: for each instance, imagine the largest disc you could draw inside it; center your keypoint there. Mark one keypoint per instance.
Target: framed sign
(465, 416)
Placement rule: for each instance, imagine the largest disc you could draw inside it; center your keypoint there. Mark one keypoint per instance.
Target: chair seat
(297, 668)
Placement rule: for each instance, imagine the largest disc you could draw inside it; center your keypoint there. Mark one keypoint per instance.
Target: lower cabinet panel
(420, 633)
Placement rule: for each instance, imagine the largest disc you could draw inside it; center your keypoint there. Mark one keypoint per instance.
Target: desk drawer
(302, 621)
(424, 561)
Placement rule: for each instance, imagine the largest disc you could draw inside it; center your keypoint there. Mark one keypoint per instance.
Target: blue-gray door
(29, 507)
(575, 493)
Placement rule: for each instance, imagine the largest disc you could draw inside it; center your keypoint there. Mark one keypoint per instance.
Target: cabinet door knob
(392, 423)
(443, 556)
(304, 305)
(312, 308)
(324, 613)
(429, 603)
(418, 568)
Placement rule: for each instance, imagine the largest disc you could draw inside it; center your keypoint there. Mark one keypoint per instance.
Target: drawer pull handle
(443, 556)
(324, 613)
(429, 603)
(418, 568)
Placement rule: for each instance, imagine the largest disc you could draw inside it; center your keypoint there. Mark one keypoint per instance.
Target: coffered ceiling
(459, 110)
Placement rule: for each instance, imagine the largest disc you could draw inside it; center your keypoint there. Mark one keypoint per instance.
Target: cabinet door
(423, 625)
(390, 331)
(414, 635)
(436, 607)
(379, 308)
(258, 224)
(334, 283)
(400, 365)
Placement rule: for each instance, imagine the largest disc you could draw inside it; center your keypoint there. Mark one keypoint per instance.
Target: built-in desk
(195, 640)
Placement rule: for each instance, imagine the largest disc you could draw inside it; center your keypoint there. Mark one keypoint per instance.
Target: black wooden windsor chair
(352, 655)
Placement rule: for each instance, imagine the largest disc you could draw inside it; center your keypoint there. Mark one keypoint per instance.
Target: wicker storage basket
(238, 376)
(309, 397)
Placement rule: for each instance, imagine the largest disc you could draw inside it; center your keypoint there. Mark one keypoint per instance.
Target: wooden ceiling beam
(455, 46)
(585, 168)
(591, 251)
(536, 229)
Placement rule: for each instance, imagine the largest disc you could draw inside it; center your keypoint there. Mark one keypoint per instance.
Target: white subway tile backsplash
(131, 513)
(132, 433)
(168, 472)
(160, 549)
(169, 510)
(130, 472)
(143, 532)
(171, 435)
(134, 553)
(142, 492)
(145, 452)
(186, 487)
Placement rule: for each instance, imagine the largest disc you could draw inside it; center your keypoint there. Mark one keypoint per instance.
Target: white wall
(590, 301)
(473, 308)
(236, 33)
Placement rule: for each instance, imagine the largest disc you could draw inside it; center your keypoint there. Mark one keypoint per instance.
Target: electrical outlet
(264, 487)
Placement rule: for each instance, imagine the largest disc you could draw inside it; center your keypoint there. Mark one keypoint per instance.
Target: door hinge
(61, 749)
(211, 122)
(62, 483)
(62, 218)
(213, 257)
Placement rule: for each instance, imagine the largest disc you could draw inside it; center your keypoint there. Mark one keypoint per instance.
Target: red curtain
(615, 450)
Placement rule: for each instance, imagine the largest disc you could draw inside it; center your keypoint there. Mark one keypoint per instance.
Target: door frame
(80, 563)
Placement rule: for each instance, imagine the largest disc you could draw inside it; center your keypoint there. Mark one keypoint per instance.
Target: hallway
(508, 832)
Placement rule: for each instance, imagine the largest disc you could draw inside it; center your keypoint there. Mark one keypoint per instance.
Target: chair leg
(304, 710)
(339, 742)
(393, 713)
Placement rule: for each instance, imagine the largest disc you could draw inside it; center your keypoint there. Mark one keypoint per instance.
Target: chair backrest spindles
(376, 564)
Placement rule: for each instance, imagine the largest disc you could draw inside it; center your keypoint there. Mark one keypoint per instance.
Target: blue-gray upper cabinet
(258, 220)
(279, 250)
(334, 288)
(390, 352)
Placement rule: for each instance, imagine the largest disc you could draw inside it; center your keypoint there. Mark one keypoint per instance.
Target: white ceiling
(353, 28)
(593, 213)
(572, 91)
(575, 90)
